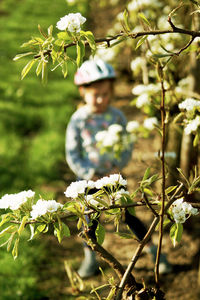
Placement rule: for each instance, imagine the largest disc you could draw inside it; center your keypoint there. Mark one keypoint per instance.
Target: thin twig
(163, 113)
(143, 243)
(149, 205)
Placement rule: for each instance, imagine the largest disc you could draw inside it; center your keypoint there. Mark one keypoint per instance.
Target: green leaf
(34, 42)
(170, 189)
(41, 228)
(111, 293)
(10, 240)
(80, 49)
(142, 16)
(44, 72)
(183, 175)
(64, 36)
(160, 55)
(18, 56)
(39, 67)
(27, 68)
(50, 30)
(125, 19)
(146, 174)
(22, 225)
(140, 42)
(148, 191)
(5, 218)
(176, 231)
(9, 229)
(61, 230)
(196, 139)
(100, 234)
(65, 230)
(90, 38)
(15, 249)
(125, 235)
(64, 66)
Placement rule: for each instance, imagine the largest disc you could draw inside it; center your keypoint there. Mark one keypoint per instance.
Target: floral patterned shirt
(82, 154)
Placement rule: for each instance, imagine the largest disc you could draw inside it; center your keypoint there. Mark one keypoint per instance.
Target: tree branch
(143, 243)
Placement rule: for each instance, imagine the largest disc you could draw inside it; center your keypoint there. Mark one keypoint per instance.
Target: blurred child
(95, 80)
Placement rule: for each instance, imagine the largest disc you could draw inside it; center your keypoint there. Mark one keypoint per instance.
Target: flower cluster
(181, 210)
(71, 22)
(189, 104)
(77, 188)
(192, 125)
(110, 137)
(132, 126)
(113, 185)
(15, 201)
(43, 207)
(115, 139)
(150, 123)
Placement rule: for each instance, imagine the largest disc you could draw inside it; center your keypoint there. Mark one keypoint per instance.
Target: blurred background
(33, 120)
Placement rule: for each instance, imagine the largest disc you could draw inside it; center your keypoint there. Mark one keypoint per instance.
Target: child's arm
(82, 167)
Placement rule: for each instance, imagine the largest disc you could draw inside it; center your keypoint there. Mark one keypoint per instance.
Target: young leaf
(10, 240)
(64, 66)
(9, 229)
(50, 30)
(100, 234)
(125, 19)
(142, 16)
(4, 219)
(27, 68)
(170, 189)
(18, 56)
(80, 49)
(15, 249)
(140, 42)
(176, 233)
(39, 67)
(22, 225)
(44, 72)
(146, 174)
(196, 139)
(125, 235)
(90, 38)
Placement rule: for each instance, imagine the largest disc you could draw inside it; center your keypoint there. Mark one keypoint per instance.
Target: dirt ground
(180, 284)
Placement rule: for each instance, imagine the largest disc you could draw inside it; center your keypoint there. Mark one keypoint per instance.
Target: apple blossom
(71, 22)
(14, 201)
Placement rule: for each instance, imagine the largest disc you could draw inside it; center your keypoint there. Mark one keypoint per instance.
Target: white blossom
(189, 104)
(110, 140)
(181, 210)
(100, 136)
(142, 100)
(14, 201)
(192, 125)
(115, 128)
(150, 123)
(132, 126)
(76, 188)
(119, 194)
(91, 200)
(136, 64)
(71, 22)
(100, 183)
(180, 217)
(44, 206)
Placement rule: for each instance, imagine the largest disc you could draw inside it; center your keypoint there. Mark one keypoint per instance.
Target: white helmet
(93, 70)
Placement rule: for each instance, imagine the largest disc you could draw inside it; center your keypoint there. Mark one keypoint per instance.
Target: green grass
(19, 279)
(33, 117)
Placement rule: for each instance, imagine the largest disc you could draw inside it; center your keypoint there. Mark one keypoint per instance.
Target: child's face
(98, 95)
